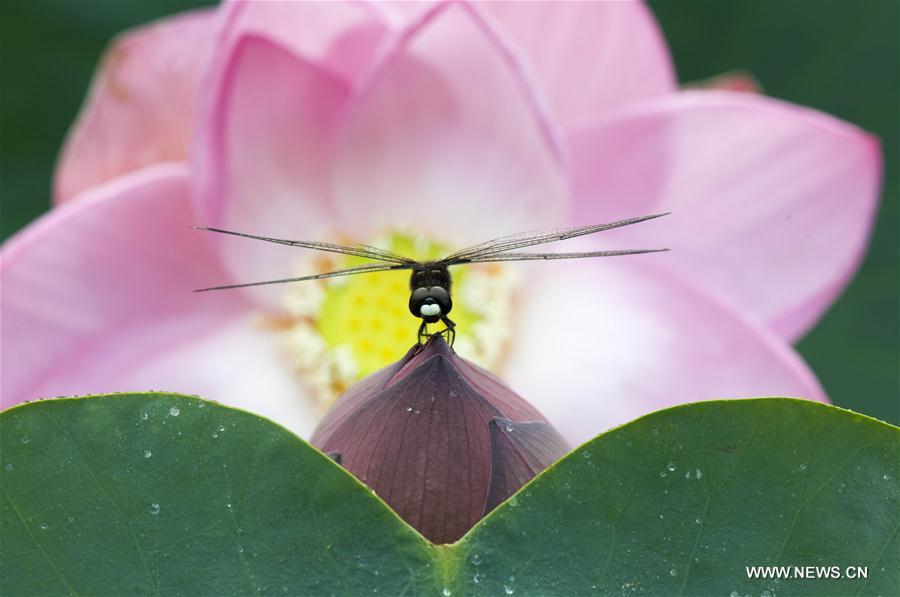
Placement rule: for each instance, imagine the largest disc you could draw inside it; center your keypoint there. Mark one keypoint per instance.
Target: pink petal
(120, 257)
(140, 108)
(341, 37)
(772, 203)
(448, 138)
(262, 163)
(589, 57)
(229, 358)
(97, 298)
(602, 344)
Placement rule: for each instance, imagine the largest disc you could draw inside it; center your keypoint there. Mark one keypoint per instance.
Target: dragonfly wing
(538, 237)
(364, 251)
(512, 256)
(360, 269)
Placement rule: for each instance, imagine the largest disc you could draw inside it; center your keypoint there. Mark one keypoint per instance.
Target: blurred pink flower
(328, 121)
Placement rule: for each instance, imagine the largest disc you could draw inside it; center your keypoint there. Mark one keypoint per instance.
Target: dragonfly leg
(422, 333)
(450, 329)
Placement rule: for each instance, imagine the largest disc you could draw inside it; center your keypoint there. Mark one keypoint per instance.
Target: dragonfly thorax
(430, 292)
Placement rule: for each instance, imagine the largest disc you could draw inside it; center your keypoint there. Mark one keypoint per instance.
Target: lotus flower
(423, 127)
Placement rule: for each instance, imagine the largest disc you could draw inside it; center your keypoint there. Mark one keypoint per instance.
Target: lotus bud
(439, 439)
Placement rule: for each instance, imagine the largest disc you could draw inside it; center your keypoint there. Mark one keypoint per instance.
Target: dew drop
(446, 592)
(698, 520)
(673, 572)
(154, 508)
(802, 467)
(513, 502)
(147, 453)
(508, 590)
(201, 405)
(25, 439)
(886, 477)
(734, 594)
(44, 526)
(408, 409)
(215, 435)
(766, 593)
(221, 427)
(586, 454)
(144, 415)
(671, 466)
(8, 466)
(174, 411)
(699, 474)
(476, 579)
(476, 559)
(509, 427)
(240, 549)
(662, 473)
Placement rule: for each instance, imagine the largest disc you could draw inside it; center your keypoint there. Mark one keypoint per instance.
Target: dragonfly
(430, 282)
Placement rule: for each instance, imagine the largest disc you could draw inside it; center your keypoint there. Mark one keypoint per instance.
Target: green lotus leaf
(168, 494)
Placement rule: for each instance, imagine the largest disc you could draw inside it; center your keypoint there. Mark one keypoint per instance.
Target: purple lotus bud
(439, 439)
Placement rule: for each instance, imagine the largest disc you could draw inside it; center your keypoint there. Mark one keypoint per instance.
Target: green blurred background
(840, 57)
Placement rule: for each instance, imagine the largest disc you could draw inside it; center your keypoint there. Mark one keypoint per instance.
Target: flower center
(338, 330)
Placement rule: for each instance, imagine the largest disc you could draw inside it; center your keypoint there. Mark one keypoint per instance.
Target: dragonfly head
(430, 297)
